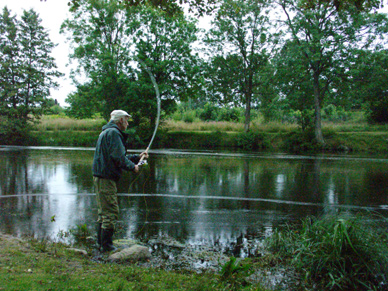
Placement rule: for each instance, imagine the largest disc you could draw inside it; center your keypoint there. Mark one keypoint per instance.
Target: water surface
(194, 197)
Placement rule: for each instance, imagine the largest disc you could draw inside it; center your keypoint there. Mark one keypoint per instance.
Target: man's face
(123, 123)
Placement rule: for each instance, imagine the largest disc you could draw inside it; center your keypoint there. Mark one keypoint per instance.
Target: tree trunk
(247, 112)
(317, 107)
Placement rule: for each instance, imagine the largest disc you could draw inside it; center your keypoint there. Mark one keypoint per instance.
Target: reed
(336, 252)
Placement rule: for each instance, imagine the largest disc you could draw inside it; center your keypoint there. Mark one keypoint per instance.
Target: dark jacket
(110, 155)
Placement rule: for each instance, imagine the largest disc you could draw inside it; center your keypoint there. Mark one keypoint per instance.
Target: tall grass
(55, 123)
(60, 122)
(339, 252)
(258, 126)
(204, 126)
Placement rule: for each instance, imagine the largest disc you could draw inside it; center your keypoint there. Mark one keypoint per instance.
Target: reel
(142, 163)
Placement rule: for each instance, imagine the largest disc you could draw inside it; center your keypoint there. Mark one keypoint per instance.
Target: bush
(336, 252)
(229, 114)
(335, 114)
(300, 142)
(15, 132)
(251, 140)
(189, 116)
(209, 112)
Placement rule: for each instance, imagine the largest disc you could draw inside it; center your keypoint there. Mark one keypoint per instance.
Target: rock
(79, 251)
(167, 241)
(124, 243)
(133, 253)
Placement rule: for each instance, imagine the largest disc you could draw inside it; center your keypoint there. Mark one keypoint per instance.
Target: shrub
(209, 112)
(229, 114)
(297, 141)
(251, 140)
(336, 252)
(189, 116)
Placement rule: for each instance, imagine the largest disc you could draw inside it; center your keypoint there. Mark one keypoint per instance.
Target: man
(109, 161)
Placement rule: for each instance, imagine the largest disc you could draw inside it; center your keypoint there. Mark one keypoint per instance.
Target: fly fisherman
(109, 161)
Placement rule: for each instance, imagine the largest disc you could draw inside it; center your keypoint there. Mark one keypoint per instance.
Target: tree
(171, 7)
(323, 38)
(38, 69)
(370, 77)
(9, 65)
(109, 39)
(102, 50)
(27, 71)
(164, 45)
(239, 38)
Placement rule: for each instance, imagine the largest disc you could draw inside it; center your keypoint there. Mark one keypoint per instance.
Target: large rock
(133, 253)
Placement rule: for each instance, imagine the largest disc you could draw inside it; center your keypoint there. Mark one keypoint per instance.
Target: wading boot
(99, 230)
(106, 240)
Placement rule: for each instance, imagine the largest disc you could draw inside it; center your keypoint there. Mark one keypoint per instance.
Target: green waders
(108, 212)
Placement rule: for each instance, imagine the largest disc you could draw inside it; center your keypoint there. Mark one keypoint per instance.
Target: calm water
(193, 197)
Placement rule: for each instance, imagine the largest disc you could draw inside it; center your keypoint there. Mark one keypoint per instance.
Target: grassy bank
(330, 253)
(30, 264)
(275, 136)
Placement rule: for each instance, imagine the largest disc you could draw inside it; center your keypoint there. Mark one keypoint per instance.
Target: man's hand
(145, 154)
(136, 170)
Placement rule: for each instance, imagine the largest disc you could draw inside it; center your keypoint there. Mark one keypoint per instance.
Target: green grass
(339, 252)
(333, 252)
(41, 265)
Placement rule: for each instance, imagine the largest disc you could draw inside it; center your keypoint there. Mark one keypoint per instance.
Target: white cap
(117, 114)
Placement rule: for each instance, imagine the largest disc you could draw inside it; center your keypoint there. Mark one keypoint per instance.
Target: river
(205, 197)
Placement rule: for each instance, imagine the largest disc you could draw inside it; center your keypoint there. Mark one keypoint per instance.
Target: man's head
(120, 117)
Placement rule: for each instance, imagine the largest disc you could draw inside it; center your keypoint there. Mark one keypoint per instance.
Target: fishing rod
(142, 161)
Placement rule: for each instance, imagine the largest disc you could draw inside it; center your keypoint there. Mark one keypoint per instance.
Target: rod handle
(142, 157)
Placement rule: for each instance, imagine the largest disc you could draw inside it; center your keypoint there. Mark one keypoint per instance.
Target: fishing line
(200, 197)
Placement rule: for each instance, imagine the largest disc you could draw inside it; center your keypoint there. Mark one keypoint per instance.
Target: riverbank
(355, 136)
(31, 264)
(333, 252)
(294, 142)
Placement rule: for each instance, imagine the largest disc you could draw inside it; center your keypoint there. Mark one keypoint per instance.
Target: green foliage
(15, 132)
(106, 47)
(209, 112)
(239, 39)
(311, 69)
(234, 272)
(189, 116)
(230, 114)
(56, 110)
(251, 140)
(27, 72)
(336, 252)
(371, 79)
(298, 142)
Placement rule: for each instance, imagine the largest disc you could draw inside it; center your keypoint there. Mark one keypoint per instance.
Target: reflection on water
(196, 198)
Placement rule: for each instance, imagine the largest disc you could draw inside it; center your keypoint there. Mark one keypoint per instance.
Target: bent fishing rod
(142, 161)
